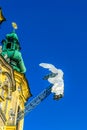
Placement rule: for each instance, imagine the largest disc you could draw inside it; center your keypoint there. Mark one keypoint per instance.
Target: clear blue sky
(52, 31)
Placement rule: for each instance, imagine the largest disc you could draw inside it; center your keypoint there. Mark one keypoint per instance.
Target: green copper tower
(11, 52)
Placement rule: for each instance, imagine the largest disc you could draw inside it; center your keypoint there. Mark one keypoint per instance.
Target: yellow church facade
(14, 92)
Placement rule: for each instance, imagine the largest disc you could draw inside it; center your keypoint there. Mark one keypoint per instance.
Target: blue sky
(52, 31)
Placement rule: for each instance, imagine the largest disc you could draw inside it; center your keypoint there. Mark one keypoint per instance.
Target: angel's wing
(51, 67)
(2, 18)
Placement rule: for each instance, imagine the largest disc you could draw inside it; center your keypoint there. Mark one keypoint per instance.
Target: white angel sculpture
(56, 79)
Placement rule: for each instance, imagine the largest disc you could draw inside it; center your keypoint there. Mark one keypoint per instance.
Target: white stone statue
(56, 79)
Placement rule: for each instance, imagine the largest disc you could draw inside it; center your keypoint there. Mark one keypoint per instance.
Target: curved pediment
(24, 86)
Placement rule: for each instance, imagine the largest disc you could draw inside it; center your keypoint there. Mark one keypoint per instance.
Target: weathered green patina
(11, 52)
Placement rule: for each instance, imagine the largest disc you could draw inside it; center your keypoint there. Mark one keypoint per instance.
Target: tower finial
(14, 25)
